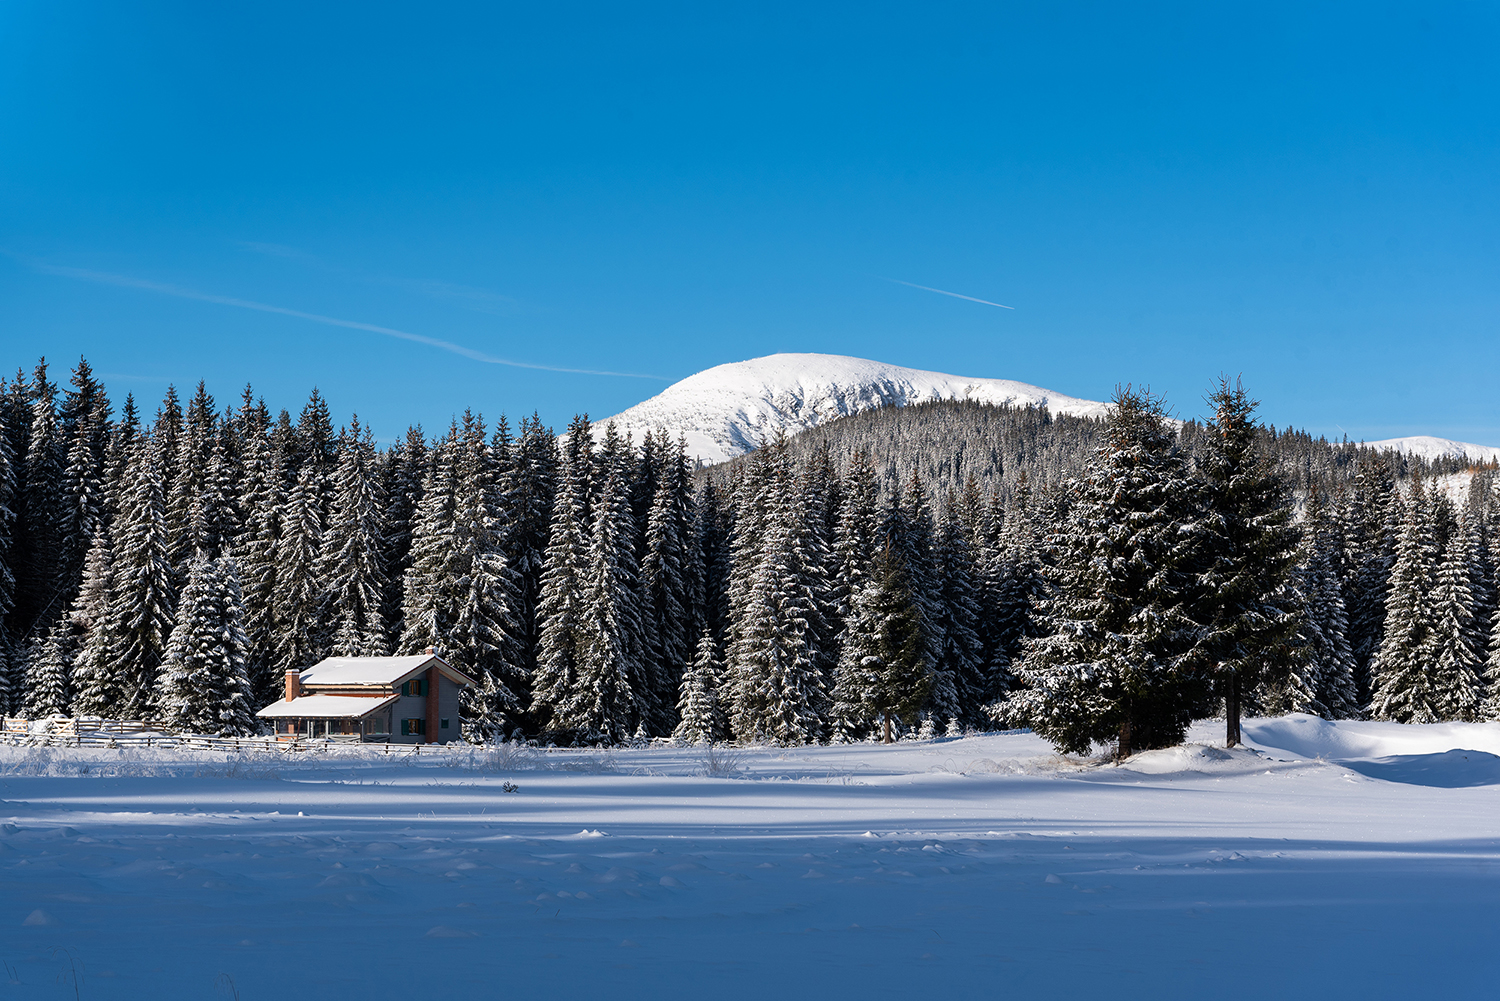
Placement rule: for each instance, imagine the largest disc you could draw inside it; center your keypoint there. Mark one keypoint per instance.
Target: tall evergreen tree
(299, 638)
(350, 559)
(204, 685)
(1120, 654)
(560, 606)
(671, 584)
(1402, 667)
(145, 597)
(1252, 549)
(98, 681)
(1456, 658)
(48, 675)
(699, 718)
(886, 671)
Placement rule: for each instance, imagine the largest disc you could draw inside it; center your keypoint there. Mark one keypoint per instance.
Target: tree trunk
(1232, 711)
(1123, 751)
(888, 738)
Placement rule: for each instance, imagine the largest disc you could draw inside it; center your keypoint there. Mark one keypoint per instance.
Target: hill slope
(732, 409)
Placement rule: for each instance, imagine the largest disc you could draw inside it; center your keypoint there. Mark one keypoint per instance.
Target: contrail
(928, 288)
(103, 278)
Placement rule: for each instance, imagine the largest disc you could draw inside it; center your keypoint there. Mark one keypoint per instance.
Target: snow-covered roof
(326, 707)
(354, 671)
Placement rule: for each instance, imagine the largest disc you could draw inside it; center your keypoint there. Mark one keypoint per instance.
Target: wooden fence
(84, 731)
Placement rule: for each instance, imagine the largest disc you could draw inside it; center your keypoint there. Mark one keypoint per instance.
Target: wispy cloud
(482, 300)
(928, 288)
(177, 291)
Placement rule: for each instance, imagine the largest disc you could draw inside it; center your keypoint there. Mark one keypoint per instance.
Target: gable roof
(350, 672)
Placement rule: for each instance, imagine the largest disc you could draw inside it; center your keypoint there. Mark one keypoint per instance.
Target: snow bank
(1311, 737)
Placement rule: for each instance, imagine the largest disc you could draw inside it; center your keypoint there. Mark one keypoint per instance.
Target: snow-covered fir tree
(145, 595)
(1119, 657)
(48, 675)
(299, 632)
(351, 572)
(1251, 546)
(1402, 667)
(1457, 659)
(204, 687)
(699, 719)
(98, 684)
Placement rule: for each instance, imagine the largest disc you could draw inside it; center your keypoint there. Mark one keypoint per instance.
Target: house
(403, 700)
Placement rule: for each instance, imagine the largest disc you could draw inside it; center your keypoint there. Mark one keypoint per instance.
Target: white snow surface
(732, 409)
(1428, 447)
(1323, 860)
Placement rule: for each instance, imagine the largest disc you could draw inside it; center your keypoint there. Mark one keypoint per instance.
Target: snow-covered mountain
(732, 409)
(1428, 447)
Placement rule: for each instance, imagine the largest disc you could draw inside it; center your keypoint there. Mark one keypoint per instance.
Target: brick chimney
(293, 684)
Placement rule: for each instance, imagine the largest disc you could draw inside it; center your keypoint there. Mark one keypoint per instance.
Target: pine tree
(204, 687)
(671, 582)
(484, 637)
(255, 552)
(777, 692)
(962, 654)
(699, 717)
(350, 559)
(38, 546)
(605, 703)
(1456, 658)
(1402, 669)
(1118, 656)
(145, 598)
(404, 470)
(98, 682)
(886, 672)
(48, 684)
(300, 635)
(1252, 548)
(560, 611)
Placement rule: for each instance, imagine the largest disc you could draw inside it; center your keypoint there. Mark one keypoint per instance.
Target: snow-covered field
(1330, 860)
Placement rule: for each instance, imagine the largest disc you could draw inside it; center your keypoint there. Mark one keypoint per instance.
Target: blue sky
(1303, 193)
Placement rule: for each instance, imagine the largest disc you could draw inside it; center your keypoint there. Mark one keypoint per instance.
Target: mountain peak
(732, 409)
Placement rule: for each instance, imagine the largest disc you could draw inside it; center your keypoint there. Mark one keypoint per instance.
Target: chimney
(431, 650)
(293, 684)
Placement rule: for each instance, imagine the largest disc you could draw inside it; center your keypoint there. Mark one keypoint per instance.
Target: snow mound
(1456, 769)
(1193, 758)
(1311, 737)
(732, 409)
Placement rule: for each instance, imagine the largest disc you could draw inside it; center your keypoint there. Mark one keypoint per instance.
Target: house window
(444, 724)
(413, 727)
(375, 724)
(418, 687)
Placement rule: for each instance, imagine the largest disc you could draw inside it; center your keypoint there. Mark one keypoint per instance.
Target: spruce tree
(48, 675)
(1402, 666)
(605, 703)
(671, 583)
(1119, 656)
(204, 687)
(886, 671)
(1252, 547)
(299, 637)
(560, 611)
(145, 597)
(962, 654)
(1456, 658)
(350, 568)
(98, 682)
(699, 720)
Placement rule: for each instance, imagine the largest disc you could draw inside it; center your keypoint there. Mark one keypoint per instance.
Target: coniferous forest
(914, 571)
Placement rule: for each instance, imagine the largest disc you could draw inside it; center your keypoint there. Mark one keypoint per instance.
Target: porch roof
(326, 707)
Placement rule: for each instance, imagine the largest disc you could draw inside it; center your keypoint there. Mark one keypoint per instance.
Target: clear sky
(1308, 194)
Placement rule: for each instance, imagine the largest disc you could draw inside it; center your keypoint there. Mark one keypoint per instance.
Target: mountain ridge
(734, 408)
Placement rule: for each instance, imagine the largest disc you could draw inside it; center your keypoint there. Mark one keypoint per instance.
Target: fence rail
(57, 731)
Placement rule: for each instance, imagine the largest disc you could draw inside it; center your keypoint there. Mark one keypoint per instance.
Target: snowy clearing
(1326, 860)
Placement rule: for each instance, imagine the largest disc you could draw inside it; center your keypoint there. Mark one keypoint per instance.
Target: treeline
(914, 570)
